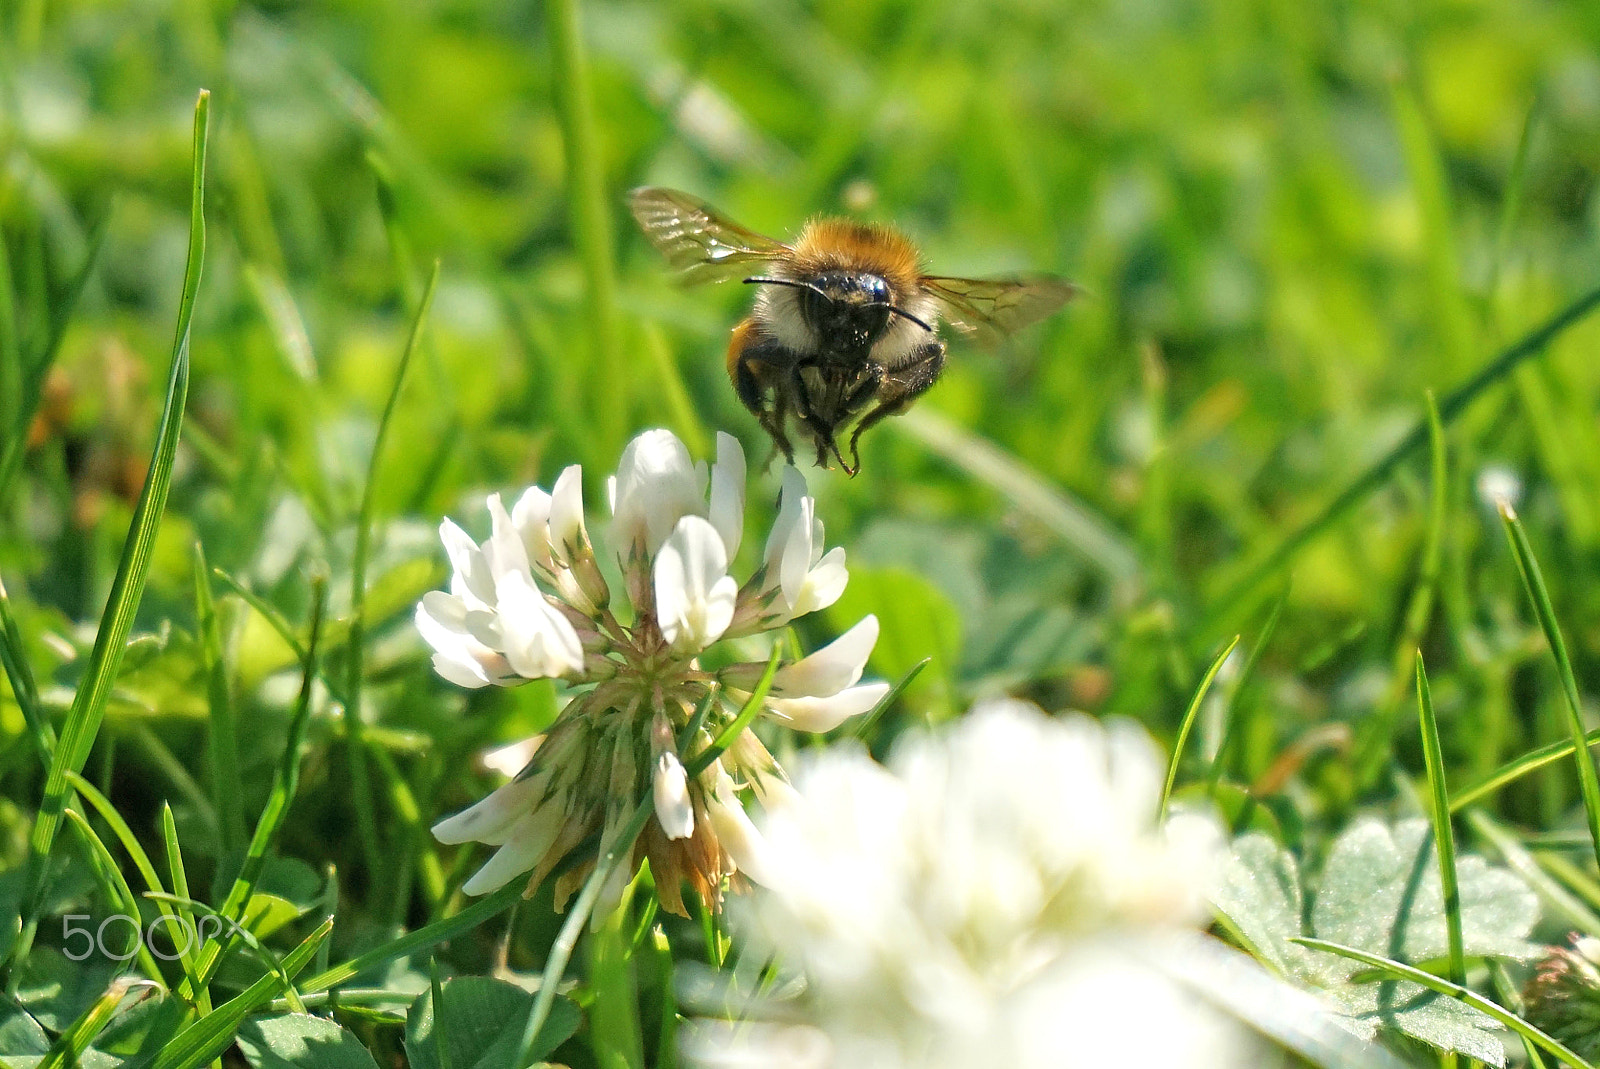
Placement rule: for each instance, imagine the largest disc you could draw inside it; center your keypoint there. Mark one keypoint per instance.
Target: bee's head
(846, 310)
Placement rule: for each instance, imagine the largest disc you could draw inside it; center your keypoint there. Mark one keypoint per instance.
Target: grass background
(1291, 221)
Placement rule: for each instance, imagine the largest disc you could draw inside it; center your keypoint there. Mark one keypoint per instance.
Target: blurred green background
(1290, 220)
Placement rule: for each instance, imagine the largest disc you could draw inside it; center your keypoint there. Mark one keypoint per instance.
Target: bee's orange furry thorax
(843, 244)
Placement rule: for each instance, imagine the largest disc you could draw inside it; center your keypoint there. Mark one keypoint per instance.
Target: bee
(845, 325)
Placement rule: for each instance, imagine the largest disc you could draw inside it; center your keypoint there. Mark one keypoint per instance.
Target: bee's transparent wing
(991, 308)
(695, 239)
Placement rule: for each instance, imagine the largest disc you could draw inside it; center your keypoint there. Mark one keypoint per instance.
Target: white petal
(471, 576)
(656, 485)
(695, 595)
(530, 840)
(784, 527)
(823, 585)
(512, 758)
(531, 518)
(457, 655)
(495, 813)
(674, 810)
(739, 836)
(505, 551)
(535, 637)
(825, 714)
(567, 534)
(727, 492)
(796, 562)
(832, 668)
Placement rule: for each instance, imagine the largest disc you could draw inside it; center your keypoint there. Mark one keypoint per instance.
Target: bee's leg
(743, 368)
(805, 409)
(898, 388)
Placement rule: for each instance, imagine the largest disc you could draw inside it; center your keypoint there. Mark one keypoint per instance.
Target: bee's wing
(695, 239)
(991, 308)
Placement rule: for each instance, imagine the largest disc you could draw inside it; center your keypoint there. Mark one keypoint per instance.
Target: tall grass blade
(1533, 581)
(1401, 971)
(285, 784)
(1186, 726)
(360, 782)
(1517, 768)
(589, 207)
(555, 965)
(421, 939)
(24, 689)
(69, 1048)
(1378, 740)
(211, 1034)
(222, 735)
(88, 706)
(1443, 836)
(30, 386)
(1455, 402)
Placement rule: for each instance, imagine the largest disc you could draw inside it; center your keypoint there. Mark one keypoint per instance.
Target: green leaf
(1379, 892)
(301, 1041)
(57, 991)
(481, 1025)
(20, 1033)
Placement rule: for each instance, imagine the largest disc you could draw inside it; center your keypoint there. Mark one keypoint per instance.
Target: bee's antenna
(789, 282)
(903, 314)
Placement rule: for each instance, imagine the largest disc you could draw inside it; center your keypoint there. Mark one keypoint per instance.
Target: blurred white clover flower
(531, 602)
(1000, 894)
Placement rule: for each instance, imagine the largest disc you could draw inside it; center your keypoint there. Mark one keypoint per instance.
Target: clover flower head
(1563, 995)
(532, 602)
(995, 896)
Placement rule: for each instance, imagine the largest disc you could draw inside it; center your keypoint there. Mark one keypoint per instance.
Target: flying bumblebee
(845, 324)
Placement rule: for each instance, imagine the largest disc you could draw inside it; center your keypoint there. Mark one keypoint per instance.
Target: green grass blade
(421, 939)
(185, 915)
(555, 965)
(1516, 769)
(211, 1034)
(1443, 836)
(864, 723)
(266, 610)
(88, 706)
(24, 689)
(748, 712)
(13, 439)
(1400, 971)
(1378, 740)
(187, 907)
(589, 208)
(1533, 581)
(1511, 998)
(1235, 730)
(1511, 203)
(73, 1042)
(1190, 715)
(1561, 906)
(675, 393)
(360, 782)
(1455, 402)
(114, 885)
(222, 734)
(285, 784)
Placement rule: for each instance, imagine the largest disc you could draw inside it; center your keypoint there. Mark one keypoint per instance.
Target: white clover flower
(999, 895)
(531, 602)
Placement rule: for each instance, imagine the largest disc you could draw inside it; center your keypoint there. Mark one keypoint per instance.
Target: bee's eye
(814, 305)
(877, 289)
